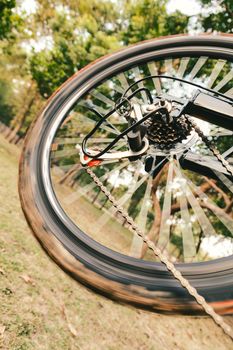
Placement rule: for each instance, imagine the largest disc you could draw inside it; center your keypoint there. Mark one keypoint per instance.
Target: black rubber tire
(142, 283)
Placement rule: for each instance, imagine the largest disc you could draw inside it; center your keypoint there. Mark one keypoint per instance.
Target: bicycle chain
(156, 250)
(216, 152)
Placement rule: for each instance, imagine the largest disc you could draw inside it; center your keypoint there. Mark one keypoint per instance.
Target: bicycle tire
(129, 280)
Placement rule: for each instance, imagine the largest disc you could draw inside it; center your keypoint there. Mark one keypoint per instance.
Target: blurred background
(42, 43)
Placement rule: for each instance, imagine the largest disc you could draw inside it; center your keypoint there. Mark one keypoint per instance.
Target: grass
(42, 308)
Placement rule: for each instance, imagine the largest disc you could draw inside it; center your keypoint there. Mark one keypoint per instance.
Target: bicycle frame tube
(211, 109)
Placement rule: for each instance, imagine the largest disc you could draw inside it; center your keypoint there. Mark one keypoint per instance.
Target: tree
(78, 38)
(146, 19)
(8, 18)
(19, 94)
(26, 99)
(6, 112)
(218, 15)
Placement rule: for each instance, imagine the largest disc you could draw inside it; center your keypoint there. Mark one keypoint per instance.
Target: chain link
(163, 258)
(211, 147)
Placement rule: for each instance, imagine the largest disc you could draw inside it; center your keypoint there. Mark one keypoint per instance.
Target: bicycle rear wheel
(185, 206)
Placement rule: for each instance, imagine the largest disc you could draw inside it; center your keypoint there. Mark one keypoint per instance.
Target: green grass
(42, 308)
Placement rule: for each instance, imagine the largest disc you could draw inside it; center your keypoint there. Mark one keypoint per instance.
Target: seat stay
(211, 108)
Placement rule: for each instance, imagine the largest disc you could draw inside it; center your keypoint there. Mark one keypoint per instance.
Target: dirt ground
(42, 308)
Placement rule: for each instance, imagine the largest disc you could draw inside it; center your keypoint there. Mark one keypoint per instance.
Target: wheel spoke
(229, 93)
(124, 83)
(102, 221)
(103, 98)
(154, 71)
(65, 167)
(205, 161)
(141, 220)
(183, 66)
(89, 104)
(199, 64)
(223, 217)
(82, 191)
(198, 210)
(78, 140)
(215, 72)
(227, 182)
(224, 81)
(138, 76)
(189, 249)
(164, 232)
(220, 132)
(228, 152)
(111, 128)
(63, 153)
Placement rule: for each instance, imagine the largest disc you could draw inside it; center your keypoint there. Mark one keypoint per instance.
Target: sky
(188, 7)
(29, 6)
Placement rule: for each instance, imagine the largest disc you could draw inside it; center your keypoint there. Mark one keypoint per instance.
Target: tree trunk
(20, 120)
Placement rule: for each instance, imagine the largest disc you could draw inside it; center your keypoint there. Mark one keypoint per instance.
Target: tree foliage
(146, 19)
(217, 15)
(80, 34)
(66, 35)
(5, 105)
(9, 19)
